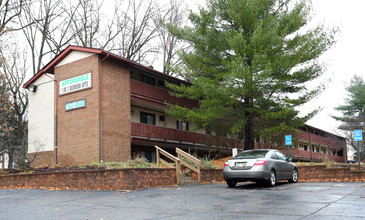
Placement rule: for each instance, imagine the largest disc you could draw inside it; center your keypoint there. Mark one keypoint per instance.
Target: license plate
(240, 164)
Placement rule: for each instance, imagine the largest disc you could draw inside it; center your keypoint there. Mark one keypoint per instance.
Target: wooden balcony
(151, 131)
(328, 141)
(169, 134)
(314, 156)
(152, 92)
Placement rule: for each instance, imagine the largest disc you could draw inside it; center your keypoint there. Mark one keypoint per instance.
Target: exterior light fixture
(32, 88)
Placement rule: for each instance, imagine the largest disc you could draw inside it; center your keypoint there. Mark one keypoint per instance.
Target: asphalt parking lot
(206, 201)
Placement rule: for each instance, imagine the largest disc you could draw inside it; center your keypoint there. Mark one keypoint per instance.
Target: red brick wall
(121, 179)
(132, 179)
(116, 112)
(322, 173)
(306, 173)
(78, 130)
(211, 175)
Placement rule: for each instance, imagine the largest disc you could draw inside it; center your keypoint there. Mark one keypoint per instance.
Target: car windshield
(252, 154)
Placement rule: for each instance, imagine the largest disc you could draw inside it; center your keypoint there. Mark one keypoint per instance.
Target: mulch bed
(46, 169)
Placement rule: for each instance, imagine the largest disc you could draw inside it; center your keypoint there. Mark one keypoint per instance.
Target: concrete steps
(185, 179)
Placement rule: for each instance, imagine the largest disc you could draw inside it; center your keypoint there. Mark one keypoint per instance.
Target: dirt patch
(46, 169)
(220, 162)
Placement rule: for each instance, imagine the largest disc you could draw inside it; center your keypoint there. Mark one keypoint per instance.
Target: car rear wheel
(294, 177)
(272, 179)
(231, 183)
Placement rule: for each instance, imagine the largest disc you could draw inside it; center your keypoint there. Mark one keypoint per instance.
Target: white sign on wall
(75, 105)
(75, 84)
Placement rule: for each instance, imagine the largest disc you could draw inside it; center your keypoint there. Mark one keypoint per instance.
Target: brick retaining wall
(133, 179)
(118, 179)
(320, 173)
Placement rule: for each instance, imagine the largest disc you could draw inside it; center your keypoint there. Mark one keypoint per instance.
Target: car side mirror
(290, 160)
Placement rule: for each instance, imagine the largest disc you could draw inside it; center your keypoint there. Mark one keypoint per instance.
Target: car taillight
(260, 162)
(226, 164)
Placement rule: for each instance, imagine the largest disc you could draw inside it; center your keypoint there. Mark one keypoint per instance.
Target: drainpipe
(55, 117)
(310, 146)
(101, 107)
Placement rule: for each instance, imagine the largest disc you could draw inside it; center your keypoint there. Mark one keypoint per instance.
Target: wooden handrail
(178, 161)
(167, 154)
(171, 157)
(190, 158)
(2, 161)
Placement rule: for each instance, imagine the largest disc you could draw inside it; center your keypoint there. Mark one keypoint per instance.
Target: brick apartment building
(89, 105)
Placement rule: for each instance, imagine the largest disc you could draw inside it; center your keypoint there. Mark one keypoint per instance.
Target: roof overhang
(49, 68)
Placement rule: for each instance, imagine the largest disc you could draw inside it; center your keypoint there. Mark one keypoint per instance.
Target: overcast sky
(344, 60)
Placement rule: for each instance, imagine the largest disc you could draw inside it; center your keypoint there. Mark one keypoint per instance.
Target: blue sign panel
(358, 135)
(288, 140)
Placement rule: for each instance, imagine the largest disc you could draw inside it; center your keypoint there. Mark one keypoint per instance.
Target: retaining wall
(133, 179)
(320, 173)
(118, 179)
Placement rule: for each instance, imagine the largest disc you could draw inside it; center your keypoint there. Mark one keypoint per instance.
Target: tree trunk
(249, 137)
(11, 160)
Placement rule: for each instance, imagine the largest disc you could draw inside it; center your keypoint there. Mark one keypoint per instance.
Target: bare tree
(9, 11)
(138, 30)
(170, 44)
(47, 19)
(90, 26)
(12, 73)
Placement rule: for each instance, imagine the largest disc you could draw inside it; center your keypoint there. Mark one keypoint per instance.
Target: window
(150, 156)
(185, 125)
(280, 156)
(147, 118)
(317, 149)
(161, 83)
(253, 154)
(324, 151)
(305, 147)
(162, 118)
(147, 79)
(334, 153)
(273, 156)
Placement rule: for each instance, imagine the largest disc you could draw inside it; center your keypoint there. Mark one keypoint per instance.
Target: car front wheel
(294, 177)
(231, 183)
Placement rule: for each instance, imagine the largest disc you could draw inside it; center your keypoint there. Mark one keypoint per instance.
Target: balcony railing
(153, 92)
(306, 155)
(319, 139)
(151, 131)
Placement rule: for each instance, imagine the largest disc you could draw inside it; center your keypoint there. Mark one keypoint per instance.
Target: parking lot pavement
(206, 201)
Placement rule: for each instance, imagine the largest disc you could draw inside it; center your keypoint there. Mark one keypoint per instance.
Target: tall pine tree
(249, 65)
(353, 112)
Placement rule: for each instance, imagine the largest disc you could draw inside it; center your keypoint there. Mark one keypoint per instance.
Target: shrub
(207, 163)
(139, 162)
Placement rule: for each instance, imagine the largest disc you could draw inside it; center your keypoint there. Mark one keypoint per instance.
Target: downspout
(55, 117)
(101, 108)
(310, 145)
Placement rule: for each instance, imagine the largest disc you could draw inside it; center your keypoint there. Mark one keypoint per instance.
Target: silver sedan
(261, 166)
